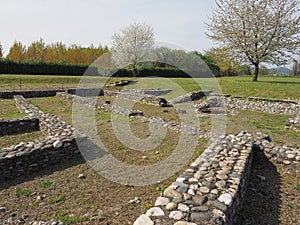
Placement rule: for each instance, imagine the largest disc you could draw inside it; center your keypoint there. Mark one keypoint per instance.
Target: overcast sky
(86, 22)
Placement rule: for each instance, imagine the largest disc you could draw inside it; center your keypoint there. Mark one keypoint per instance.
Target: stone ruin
(210, 191)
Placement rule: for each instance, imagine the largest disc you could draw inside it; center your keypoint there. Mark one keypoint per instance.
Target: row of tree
(57, 52)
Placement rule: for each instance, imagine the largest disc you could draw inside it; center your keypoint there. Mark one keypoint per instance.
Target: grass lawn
(8, 109)
(267, 86)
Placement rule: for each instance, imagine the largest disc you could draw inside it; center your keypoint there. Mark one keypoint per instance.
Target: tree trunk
(135, 71)
(256, 65)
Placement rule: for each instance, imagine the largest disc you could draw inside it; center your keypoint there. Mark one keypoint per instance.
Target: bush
(42, 68)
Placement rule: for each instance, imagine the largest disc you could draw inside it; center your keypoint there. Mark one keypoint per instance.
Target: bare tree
(132, 45)
(257, 30)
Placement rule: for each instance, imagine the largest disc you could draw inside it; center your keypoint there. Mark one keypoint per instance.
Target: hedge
(42, 68)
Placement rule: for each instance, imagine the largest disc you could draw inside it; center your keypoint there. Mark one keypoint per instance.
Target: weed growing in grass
(46, 184)
(161, 189)
(157, 140)
(36, 204)
(200, 152)
(57, 199)
(23, 192)
(147, 206)
(70, 220)
(121, 147)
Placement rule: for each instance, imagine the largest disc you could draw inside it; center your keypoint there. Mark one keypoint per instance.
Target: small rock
(57, 144)
(226, 199)
(10, 220)
(162, 201)
(3, 210)
(202, 208)
(184, 223)
(290, 156)
(172, 193)
(198, 217)
(176, 215)
(200, 199)
(183, 208)
(81, 176)
(286, 162)
(204, 190)
(171, 206)
(143, 220)
(155, 211)
(134, 201)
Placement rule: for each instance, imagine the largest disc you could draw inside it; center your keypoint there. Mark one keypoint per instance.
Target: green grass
(63, 216)
(11, 82)
(57, 199)
(23, 192)
(47, 184)
(8, 109)
(267, 86)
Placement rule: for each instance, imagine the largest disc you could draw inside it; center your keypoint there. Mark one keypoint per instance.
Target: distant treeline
(43, 68)
(39, 51)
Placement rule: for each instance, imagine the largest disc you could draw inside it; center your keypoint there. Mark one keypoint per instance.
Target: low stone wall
(26, 158)
(293, 124)
(18, 125)
(51, 93)
(193, 96)
(30, 94)
(139, 97)
(209, 192)
(271, 106)
(212, 190)
(85, 92)
(148, 91)
(49, 124)
(99, 104)
(279, 153)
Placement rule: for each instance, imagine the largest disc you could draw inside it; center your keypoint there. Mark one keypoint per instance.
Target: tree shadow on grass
(262, 200)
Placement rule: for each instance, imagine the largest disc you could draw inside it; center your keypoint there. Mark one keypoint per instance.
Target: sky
(86, 22)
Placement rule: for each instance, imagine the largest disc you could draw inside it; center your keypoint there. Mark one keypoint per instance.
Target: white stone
(204, 190)
(226, 199)
(214, 191)
(183, 207)
(291, 156)
(176, 215)
(162, 201)
(184, 223)
(57, 144)
(191, 192)
(171, 206)
(155, 211)
(143, 220)
(180, 179)
(193, 180)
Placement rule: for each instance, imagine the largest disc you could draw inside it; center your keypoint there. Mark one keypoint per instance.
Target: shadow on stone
(262, 199)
